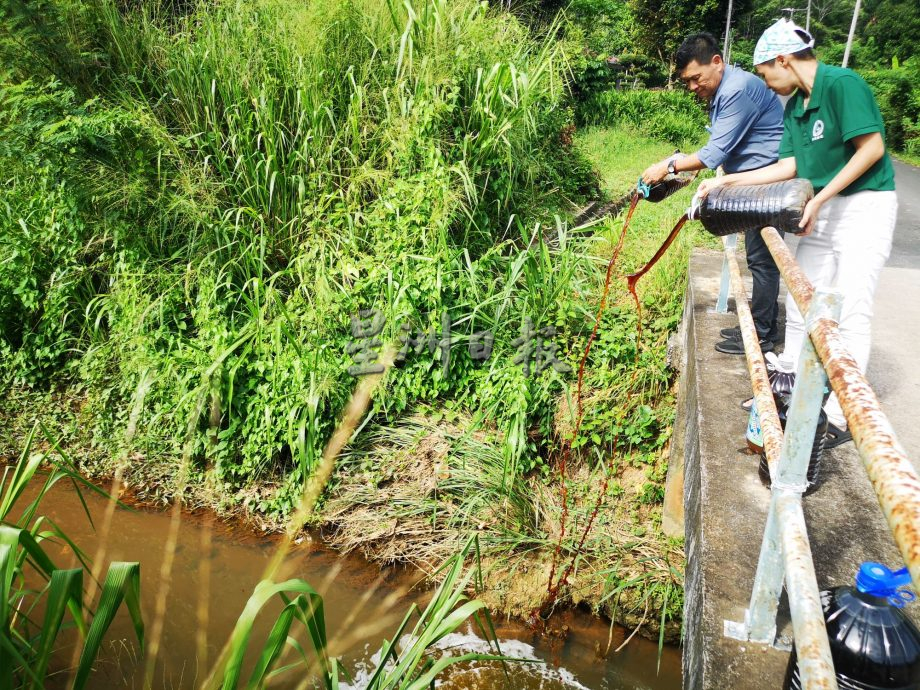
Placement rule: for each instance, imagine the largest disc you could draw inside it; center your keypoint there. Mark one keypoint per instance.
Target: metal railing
(785, 554)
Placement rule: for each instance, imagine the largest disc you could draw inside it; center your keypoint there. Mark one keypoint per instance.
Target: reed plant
(39, 601)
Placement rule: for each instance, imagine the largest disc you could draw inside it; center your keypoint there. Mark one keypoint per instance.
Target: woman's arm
(783, 169)
(869, 150)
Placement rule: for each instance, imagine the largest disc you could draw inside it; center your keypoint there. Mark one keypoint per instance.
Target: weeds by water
(32, 652)
(36, 596)
(201, 198)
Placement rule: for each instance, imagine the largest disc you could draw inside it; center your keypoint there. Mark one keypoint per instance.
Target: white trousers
(845, 252)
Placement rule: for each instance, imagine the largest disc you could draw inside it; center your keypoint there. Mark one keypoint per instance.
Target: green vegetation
(632, 44)
(666, 116)
(213, 209)
(36, 595)
(898, 92)
(203, 203)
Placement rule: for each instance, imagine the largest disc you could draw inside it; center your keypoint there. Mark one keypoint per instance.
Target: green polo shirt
(841, 107)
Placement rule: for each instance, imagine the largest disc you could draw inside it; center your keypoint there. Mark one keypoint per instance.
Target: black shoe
(733, 332)
(836, 436)
(735, 346)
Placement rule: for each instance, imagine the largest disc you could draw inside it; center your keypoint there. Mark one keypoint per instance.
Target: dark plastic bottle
(667, 187)
(736, 208)
(874, 646)
(813, 472)
(782, 381)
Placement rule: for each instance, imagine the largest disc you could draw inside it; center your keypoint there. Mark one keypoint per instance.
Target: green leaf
(310, 614)
(64, 591)
(277, 638)
(122, 583)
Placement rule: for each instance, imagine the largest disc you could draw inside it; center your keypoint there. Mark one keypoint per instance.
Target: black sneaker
(733, 332)
(735, 346)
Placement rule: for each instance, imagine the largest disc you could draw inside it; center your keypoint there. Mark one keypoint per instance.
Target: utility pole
(808, 16)
(846, 53)
(728, 25)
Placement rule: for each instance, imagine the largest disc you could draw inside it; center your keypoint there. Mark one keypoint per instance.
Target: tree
(892, 28)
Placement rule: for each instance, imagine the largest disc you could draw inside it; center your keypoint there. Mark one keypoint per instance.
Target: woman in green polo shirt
(833, 135)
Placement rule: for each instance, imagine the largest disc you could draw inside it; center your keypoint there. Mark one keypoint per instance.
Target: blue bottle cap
(643, 188)
(880, 581)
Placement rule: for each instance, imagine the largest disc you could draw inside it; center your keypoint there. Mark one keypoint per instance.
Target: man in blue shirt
(746, 125)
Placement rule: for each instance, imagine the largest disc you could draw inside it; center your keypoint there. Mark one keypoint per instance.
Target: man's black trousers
(764, 306)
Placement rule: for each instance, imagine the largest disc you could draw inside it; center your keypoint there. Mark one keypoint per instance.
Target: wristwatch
(672, 167)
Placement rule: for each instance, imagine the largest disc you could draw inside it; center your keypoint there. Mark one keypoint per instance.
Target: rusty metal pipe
(796, 281)
(891, 472)
(816, 667)
(763, 394)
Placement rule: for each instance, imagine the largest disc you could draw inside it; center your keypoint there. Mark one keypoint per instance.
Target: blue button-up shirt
(746, 121)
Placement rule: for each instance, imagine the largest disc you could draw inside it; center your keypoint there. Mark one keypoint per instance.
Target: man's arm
(658, 171)
(737, 115)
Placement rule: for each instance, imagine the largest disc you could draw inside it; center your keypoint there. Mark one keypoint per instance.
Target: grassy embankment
(200, 204)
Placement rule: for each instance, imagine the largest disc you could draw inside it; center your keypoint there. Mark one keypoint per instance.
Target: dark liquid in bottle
(737, 208)
(874, 646)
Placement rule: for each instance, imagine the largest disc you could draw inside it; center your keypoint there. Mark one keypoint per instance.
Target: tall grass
(671, 116)
(203, 195)
(289, 167)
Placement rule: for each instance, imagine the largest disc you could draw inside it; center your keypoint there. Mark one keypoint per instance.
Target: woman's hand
(708, 185)
(810, 216)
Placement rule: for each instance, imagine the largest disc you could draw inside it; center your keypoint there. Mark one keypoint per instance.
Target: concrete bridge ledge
(715, 498)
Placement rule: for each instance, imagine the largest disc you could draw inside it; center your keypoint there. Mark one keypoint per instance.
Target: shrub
(897, 91)
(669, 115)
(249, 177)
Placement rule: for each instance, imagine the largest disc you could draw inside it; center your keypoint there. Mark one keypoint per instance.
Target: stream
(219, 563)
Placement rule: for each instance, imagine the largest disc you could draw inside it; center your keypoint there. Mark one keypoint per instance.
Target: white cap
(783, 38)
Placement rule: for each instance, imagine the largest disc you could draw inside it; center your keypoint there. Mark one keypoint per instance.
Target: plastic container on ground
(813, 473)
(782, 381)
(781, 384)
(874, 645)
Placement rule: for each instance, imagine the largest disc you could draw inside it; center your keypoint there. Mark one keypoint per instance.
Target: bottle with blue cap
(874, 645)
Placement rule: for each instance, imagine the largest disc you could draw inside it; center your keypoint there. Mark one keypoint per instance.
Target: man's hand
(656, 172)
(810, 216)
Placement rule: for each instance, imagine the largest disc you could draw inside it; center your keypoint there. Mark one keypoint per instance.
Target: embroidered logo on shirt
(817, 132)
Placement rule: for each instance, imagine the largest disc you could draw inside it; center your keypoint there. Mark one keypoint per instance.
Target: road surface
(894, 365)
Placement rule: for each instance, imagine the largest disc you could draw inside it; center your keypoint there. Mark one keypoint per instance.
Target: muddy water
(220, 563)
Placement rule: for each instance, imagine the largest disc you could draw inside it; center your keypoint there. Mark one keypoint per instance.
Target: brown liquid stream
(553, 586)
(633, 278)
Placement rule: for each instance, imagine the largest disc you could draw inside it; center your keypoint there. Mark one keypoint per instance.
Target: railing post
(760, 616)
(790, 478)
(807, 397)
(729, 242)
